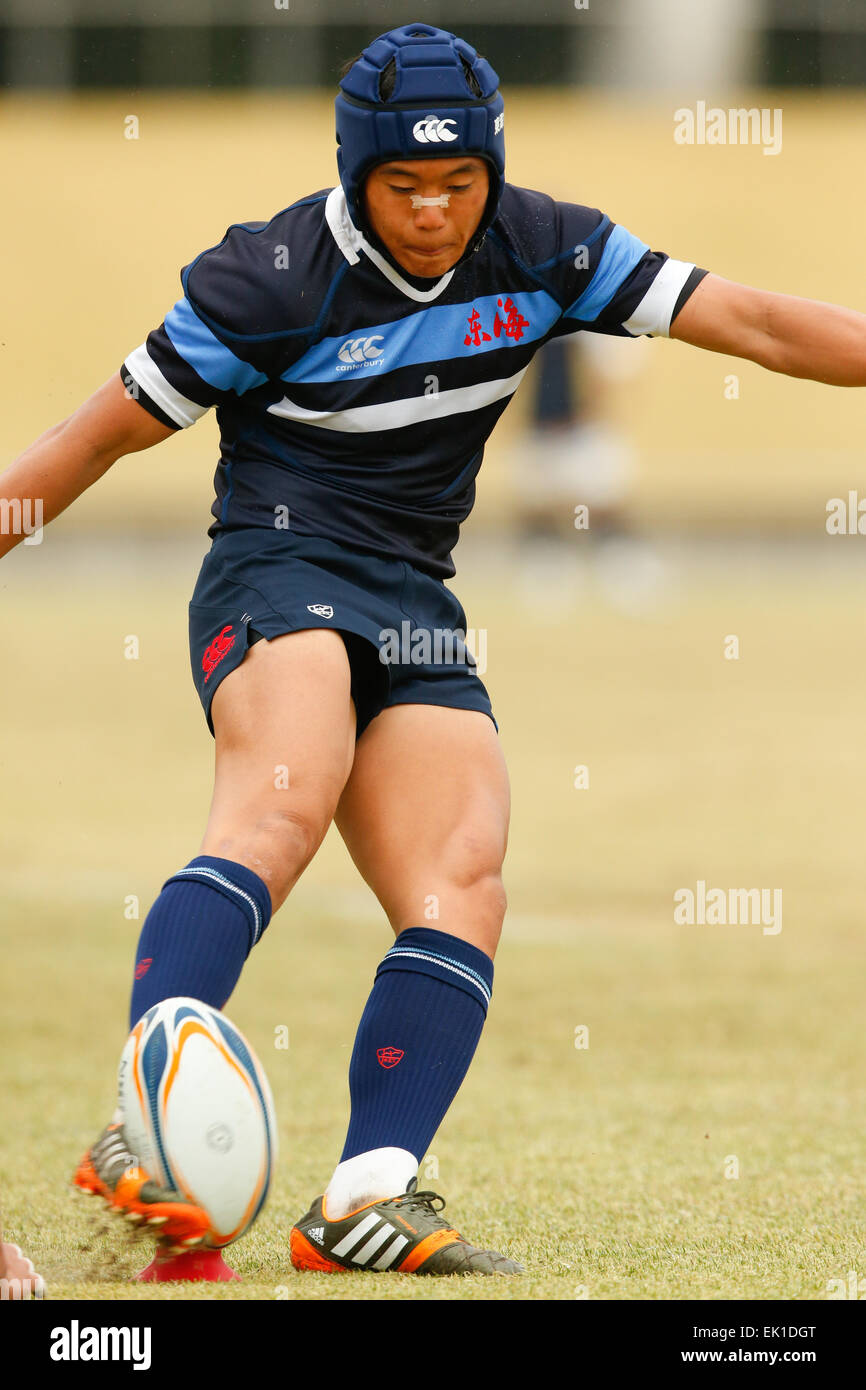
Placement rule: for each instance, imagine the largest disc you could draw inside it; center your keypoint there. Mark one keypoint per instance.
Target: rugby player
(358, 349)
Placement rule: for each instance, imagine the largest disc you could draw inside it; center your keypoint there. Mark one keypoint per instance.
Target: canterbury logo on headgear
(431, 129)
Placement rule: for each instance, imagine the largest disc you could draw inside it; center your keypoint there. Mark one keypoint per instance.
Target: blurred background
(706, 481)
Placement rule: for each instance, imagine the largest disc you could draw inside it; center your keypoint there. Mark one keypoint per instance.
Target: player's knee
(277, 844)
(473, 858)
(489, 892)
(480, 911)
(475, 873)
(292, 836)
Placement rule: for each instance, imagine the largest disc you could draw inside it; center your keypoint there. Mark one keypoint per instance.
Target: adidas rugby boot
(110, 1171)
(404, 1233)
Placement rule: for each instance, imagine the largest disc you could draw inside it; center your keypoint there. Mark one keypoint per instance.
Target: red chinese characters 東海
(476, 335)
(514, 324)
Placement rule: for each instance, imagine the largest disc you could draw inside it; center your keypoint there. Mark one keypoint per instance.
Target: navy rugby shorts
(402, 628)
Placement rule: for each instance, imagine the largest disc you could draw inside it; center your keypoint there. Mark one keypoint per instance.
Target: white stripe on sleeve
(142, 368)
(653, 314)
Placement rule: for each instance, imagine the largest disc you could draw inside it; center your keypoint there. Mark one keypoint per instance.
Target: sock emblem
(389, 1056)
(143, 966)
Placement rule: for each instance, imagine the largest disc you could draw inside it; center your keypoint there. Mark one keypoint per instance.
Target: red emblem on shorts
(219, 647)
(389, 1056)
(143, 966)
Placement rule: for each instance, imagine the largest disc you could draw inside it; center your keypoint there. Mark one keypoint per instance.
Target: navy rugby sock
(415, 1040)
(198, 934)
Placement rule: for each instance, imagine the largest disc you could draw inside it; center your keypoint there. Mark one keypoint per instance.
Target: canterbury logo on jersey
(431, 130)
(361, 1251)
(355, 351)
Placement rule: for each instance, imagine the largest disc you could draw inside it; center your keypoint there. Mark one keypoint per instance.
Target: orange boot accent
(306, 1256)
(427, 1247)
(85, 1176)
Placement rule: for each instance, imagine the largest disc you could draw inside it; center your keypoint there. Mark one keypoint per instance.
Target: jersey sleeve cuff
(146, 383)
(691, 284)
(663, 300)
(134, 390)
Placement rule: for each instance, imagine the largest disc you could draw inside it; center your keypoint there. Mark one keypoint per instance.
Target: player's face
(427, 240)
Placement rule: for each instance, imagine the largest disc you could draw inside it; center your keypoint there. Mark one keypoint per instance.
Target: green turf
(602, 1168)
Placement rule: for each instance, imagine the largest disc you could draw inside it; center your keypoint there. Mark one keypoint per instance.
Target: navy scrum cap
(446, 101)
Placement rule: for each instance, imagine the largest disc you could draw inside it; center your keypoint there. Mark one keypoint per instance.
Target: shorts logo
(356, 350)
(321, 610)
(219, 647)
(389, 1056)
(431, 129)
(143, 966)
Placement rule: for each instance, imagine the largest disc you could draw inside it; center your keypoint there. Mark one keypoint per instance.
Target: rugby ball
(198, 1113)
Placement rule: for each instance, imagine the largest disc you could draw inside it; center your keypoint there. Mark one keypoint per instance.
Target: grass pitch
(713, 1050)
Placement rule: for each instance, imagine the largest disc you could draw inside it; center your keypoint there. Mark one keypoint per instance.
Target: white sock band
(370, 1177)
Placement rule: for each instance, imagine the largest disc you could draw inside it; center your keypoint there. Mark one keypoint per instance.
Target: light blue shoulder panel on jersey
(201, 348)
(621, 254)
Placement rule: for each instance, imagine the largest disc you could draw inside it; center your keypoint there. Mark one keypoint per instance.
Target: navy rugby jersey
(361, 398)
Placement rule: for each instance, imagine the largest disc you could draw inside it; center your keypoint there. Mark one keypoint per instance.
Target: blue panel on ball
(153, 1063)
(241, 1051)
(186, 1012)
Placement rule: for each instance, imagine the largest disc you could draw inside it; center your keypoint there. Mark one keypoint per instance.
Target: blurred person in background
(573, 472)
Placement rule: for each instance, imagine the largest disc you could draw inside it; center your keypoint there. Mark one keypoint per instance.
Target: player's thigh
(424, 815)
(284, 729)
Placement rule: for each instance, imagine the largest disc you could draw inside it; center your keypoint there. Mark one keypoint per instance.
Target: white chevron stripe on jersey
(394, 415)
(373, 1244)
(653, 314)
(351, 242)
(390, 1253)
(143, 369)
(356, 1234)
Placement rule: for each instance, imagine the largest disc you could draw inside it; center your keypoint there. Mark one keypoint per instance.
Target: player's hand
(18, 1278)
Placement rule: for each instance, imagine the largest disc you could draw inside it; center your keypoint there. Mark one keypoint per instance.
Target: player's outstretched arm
(800, 337)
(72, 455)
